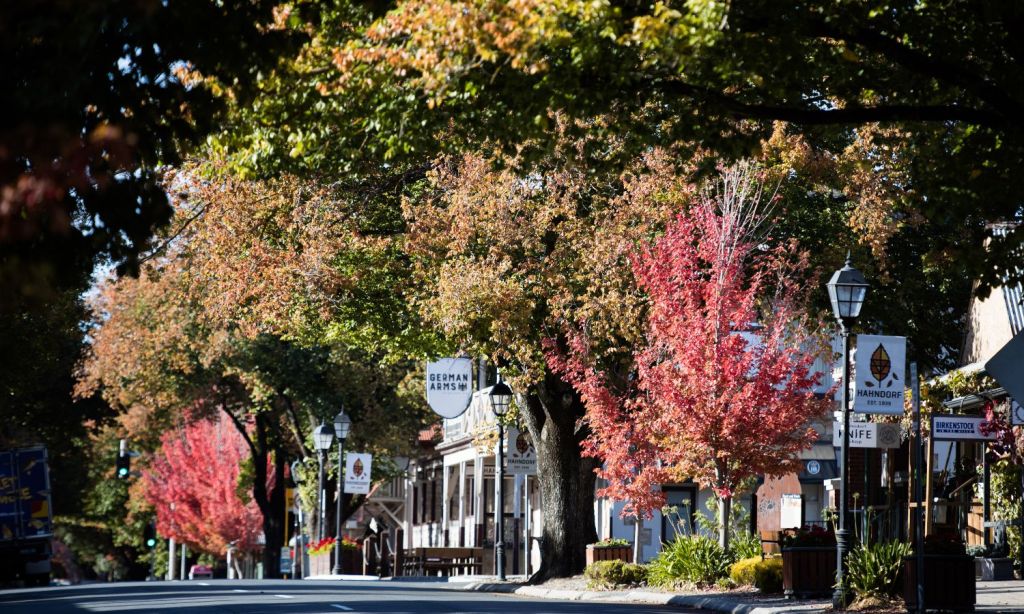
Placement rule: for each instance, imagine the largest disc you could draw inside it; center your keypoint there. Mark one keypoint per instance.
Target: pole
(919, 452)
(337, 528)
(184, 554)
(843, 533)
(928, 496)
(170, 559)
(526, 523)
(499, 507)
(320, 504)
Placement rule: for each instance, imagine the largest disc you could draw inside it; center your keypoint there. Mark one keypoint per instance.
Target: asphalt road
(290, 597)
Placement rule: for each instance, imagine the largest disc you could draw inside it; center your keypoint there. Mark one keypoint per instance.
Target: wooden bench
(443, 561)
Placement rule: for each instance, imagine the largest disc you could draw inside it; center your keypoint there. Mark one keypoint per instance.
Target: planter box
(948, 582)
(351, 561)
(994, 569)
(609, 553)
(320, 564)
(808, 571)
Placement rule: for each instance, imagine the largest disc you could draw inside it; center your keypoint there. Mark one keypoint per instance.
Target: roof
(1012, 293)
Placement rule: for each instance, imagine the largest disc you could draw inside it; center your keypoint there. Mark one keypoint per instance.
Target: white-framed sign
(1016, 413)
(520, 455)
(792, 511)
(449, 386)
(880, 374)
(358, 468)
(959, 427)
(868, 435)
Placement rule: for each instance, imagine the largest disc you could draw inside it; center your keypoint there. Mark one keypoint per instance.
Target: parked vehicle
(197, 572)
(26, 520)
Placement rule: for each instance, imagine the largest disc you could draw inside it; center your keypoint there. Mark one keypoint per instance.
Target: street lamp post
(322, 438)
(342, 425)
(846, 290)
(501, 399)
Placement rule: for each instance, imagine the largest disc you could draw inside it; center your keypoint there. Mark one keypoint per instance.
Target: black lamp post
(342, 425)
(323, 435)
(501, 400)
(846, 290)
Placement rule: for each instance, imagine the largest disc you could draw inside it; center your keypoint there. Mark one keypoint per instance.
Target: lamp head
(323, 435)
(342, 425)
(501, 398)
(847, 290)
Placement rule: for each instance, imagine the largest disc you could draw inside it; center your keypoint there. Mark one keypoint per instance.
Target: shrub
(608, 574)
(745, 545)
(698, 559)
(765, 574)
(873, 570)
(614, 541)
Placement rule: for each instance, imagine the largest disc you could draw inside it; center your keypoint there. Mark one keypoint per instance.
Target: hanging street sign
(520, 456)
(868, 435)
(880, 372)
(1016, 413)
(449, 386)
(358, 467)
(959, 427)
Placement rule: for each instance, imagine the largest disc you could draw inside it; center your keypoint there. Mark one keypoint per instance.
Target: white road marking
(240, 590)
(341, 607)
(204, 584)
(285, 596)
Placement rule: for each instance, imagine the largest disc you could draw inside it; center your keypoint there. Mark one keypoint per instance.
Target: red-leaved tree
(721, 390)
(193, 485)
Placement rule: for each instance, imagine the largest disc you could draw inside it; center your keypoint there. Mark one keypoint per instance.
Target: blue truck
(26, 520)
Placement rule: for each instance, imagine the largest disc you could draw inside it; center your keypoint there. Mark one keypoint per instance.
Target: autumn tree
(528, 249)
(722, 389)
(193, 485)
(193, 332)
(940, 77)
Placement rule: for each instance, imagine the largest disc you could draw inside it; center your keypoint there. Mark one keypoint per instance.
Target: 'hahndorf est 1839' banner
(880, 374)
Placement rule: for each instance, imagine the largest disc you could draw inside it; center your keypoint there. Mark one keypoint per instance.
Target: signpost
(357, 473)
(521, 458)
(880, 374)
(868, 435)
(449, 386)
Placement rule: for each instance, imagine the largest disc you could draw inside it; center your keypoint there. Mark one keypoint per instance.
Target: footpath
(1006, 596)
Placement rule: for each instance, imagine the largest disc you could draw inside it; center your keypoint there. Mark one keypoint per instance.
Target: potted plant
(808, 561)
(610, 550)
(992, 562)
(320, 561)
(948, 574)
(351, 554)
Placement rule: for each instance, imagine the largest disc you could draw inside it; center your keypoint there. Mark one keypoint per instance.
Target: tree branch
(968, 78)
(847, 115)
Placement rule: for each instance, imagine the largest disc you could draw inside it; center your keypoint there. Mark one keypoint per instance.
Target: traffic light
(123, 461)
(123, 467)
(149, 535)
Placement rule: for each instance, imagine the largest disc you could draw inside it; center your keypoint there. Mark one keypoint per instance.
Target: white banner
(520, 455)
(958, 427)
(880, 374)
(868, 435)
(358, 467)
(449, 386)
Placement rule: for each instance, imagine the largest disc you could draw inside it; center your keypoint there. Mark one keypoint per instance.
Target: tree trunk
(724, 512)
(566, 479)
(271, 503)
